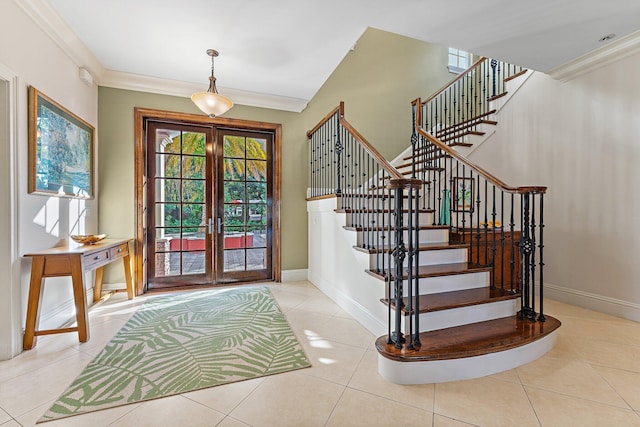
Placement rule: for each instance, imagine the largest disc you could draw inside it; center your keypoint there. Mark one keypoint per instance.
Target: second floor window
(459, 60)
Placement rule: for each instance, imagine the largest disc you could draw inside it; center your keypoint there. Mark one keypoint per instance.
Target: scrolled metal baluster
(494, 76)
(399, 254)
(541, 317)
(416, 236)
(338, 156)
(525, 250)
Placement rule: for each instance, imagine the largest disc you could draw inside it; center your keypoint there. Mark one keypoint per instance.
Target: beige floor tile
(4, 417)
(231, 422)
(290, 399)
(565, 348)
(117, 306)
(287, 299)
(11, 423)
(47, 351)
(620, 356)
(303, 287)
(313, 326)
(332, 361)
(224, 398)
(93, 419)
(440, 421)
(570, 377)
(319, 304)
(557, 410)
(342, 313)
(485, 402)
(607, 331)
(170, 411)
(559, 309)
(21, 394)
(625, 383)
(375, 411)
(511, 375)
(367, 379)
(100, 335)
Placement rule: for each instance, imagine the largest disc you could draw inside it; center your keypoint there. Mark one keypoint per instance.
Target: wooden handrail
(339, 109)
(392, 171)
(480, 171)
(395, 174)
(459, 77)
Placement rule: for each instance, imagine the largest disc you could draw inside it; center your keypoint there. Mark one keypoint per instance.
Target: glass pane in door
(180, 197)
(245, 203)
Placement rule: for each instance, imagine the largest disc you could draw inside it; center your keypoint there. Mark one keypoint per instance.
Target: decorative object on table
(211, 102)
(178, 343)
(87, 239)
(491, 224)
(463, 194)
(61, 150)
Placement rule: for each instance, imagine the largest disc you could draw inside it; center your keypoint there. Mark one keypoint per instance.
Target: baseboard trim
(604, 304)
(351, 306)
(295, 275)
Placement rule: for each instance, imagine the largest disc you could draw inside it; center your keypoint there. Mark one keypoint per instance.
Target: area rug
(183, 342)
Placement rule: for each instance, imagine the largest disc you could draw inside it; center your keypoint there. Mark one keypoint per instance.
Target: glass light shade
(212, 104)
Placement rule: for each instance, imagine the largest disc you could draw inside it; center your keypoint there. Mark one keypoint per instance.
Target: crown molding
(45, 17)
(141, 83)
(622, 48)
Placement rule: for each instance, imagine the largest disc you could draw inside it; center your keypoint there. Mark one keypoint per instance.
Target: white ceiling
(286, 49)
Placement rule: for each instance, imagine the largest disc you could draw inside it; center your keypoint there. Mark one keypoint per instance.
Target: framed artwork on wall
(462, 194)
(61, 150)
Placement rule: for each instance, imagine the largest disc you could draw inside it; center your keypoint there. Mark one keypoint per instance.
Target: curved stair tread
(438, 270)
(456, 299)
(475, 339)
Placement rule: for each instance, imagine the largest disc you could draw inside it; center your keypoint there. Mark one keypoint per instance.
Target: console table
(72, 260)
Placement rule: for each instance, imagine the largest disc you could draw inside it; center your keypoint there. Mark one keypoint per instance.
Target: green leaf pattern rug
(183, 342)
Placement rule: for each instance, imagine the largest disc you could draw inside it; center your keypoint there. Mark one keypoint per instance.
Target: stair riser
(464, 315)
(373, 203)
(425, 236)
(456, 282)
(439, 371)
(378, 219)
(434, 257)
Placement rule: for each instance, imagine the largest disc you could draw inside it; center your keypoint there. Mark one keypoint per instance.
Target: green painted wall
(377, 80)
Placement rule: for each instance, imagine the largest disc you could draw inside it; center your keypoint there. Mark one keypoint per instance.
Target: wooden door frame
(141, 116)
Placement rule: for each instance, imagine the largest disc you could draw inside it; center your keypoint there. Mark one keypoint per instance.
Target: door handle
(219, 225)
(210, 226)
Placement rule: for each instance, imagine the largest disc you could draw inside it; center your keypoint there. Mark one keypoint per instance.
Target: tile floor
(591, 378)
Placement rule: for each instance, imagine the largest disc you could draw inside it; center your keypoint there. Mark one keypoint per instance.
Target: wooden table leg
(127, 275)
(80, 297)
(33, 305)
(97, 284)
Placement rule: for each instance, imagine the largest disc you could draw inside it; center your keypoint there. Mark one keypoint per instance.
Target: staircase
(437, 251)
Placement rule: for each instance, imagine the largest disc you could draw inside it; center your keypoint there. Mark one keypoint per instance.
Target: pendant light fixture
(211, 102)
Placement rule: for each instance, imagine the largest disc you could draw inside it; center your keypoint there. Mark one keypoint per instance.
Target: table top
(77, 248)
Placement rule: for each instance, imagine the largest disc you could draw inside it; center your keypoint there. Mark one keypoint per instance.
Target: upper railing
(457, 109)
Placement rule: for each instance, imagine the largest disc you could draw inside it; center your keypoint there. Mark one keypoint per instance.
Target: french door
(209, 204)
(244, 206)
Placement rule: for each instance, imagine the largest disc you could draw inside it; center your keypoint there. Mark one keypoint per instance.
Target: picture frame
(61, 150)
(463, 191)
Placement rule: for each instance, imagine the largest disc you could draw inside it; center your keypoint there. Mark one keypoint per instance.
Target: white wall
(43, 221)
(582, 140)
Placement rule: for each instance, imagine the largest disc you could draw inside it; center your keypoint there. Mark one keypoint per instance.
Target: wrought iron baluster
(541, 317)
